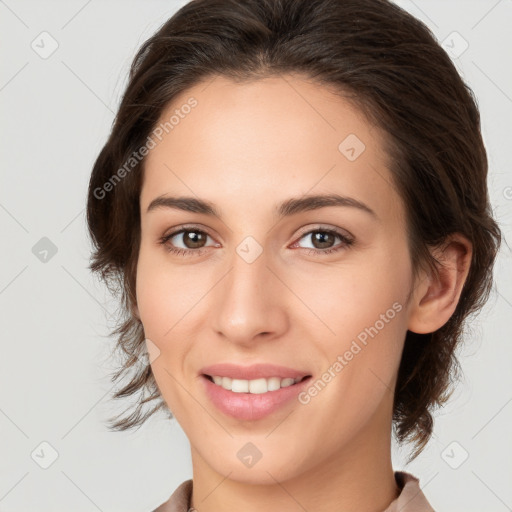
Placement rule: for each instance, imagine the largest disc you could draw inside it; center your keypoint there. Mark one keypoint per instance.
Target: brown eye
(192, 239)
(322, 241)
(189, 241)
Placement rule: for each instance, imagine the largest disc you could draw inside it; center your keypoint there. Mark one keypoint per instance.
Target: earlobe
(436, 297)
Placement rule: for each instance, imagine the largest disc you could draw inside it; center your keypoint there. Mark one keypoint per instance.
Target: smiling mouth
(254, 386)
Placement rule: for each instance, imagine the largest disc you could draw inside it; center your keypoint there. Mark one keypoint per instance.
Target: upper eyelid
(338, 231)
(183, 229)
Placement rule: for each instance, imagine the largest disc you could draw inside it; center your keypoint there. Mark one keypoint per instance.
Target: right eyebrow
(188, 204)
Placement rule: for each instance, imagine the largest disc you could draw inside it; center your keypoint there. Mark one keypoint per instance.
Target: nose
(249, 304)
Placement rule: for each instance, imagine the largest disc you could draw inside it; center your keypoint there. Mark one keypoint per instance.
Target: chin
(280, 467)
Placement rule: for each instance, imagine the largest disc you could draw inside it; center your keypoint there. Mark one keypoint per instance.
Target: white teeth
(239, 386)
(226, 382)
(273, 384)
(256, 386)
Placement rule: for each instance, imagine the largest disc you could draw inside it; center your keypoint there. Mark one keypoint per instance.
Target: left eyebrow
(287, 208)
(315, 202)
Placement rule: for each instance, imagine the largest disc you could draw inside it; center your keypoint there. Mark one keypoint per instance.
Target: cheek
(349, 298)
(165, 293)
(165, 299)
(363, 307)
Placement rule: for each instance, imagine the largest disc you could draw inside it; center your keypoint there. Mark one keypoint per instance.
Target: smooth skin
(246, 148)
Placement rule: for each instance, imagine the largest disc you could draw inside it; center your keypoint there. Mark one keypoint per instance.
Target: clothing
(411, 498)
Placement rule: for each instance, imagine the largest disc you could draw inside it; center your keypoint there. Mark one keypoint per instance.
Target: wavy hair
(391, 67)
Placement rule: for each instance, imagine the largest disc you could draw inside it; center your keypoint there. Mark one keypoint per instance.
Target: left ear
(435, 299)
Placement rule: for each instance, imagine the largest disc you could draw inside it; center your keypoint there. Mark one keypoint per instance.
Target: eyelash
(346, 242)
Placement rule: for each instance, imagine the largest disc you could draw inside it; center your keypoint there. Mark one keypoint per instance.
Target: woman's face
(274, 277)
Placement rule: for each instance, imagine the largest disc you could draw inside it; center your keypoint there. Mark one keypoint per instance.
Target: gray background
(56, 113)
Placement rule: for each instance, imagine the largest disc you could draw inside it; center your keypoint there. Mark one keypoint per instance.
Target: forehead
(274, 136)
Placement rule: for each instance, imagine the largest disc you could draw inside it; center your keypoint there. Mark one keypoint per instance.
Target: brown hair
(392, 68)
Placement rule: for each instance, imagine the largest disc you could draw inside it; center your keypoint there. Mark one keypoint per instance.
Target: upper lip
(255, 371)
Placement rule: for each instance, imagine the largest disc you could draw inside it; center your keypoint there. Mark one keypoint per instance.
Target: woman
(293, 204)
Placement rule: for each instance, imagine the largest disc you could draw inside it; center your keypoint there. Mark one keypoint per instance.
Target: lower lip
(251, 406)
